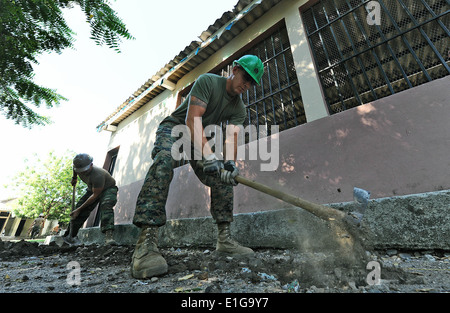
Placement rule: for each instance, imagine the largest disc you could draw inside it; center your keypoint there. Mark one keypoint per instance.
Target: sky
(96, 79)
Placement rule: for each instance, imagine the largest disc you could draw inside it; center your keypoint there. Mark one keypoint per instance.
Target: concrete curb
(420, 221)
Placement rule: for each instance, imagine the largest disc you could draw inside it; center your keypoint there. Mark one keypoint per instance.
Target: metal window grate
(278, 100)
(359, 63)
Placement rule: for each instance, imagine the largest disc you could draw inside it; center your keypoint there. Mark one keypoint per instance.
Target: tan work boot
(109, 238)
(147, 262)
(226, 245)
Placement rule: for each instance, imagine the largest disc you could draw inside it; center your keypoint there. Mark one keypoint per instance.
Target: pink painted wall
(397, 145)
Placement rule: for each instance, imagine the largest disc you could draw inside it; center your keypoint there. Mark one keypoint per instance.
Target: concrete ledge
(420, 221)
(124, 234)
(285, 228)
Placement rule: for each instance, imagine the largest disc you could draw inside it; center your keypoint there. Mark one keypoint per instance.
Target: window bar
(434, 16)
(249, 123)
(270, 85)
(271, 94)
(432, 46)
(355, 92)
(279, 83)
(329, 62)
(371, 49)
(355, 53)
(390, 49)
(262, 97)
(413, 53)
(346, 13)
(257, 114)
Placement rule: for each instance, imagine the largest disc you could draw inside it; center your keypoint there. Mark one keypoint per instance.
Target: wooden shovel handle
(318, 210)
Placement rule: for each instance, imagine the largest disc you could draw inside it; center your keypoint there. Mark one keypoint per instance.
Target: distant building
(14, 226)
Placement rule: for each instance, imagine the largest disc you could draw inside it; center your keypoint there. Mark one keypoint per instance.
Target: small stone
(405, 256)
(203, 276)
(391, 252)
(213, 289)
(352, 285)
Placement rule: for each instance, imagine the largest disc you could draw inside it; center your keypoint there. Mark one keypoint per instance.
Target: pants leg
(151, 201)
(221, 195)
(108, 200)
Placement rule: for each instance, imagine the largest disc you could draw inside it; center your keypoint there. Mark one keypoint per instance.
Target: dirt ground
(32, 268)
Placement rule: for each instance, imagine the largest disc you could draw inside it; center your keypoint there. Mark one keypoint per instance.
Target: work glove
(212, 165)
(230, 172)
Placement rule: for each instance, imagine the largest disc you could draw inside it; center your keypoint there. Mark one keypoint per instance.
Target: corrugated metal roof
(217, 35)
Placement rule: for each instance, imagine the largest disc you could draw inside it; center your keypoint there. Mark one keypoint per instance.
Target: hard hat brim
(82, 169)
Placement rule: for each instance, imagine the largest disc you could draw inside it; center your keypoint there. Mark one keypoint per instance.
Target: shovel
(318, 210)
(346, 227)
(352, 239)
(321, 211)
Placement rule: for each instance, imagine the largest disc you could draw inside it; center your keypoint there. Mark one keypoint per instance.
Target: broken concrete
(412, 222)
(419, 221)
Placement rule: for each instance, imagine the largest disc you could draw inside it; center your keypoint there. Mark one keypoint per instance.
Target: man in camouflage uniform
(212, 100)
(101, 190)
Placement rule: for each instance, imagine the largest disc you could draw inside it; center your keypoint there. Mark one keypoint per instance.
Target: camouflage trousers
(151, 202)
(106, 201)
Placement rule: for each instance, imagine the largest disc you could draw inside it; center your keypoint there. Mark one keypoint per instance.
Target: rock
(405, 256)
(391, 252)
(213, 289)
(203, 276)
(352, 285)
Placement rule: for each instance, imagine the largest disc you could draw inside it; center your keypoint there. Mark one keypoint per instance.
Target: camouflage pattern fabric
(107, 200)
(151, 202)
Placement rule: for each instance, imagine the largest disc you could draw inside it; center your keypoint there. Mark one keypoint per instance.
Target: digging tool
(73, 209)
(351, 239)
(318, 210)
(321, 211)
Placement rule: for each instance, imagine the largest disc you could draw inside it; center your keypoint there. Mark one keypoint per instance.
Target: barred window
(278, 100)
(360, 61)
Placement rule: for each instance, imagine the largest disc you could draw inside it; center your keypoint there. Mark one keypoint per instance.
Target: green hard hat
(252, 65)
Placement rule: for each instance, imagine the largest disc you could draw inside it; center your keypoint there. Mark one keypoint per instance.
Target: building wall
(383, 146)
